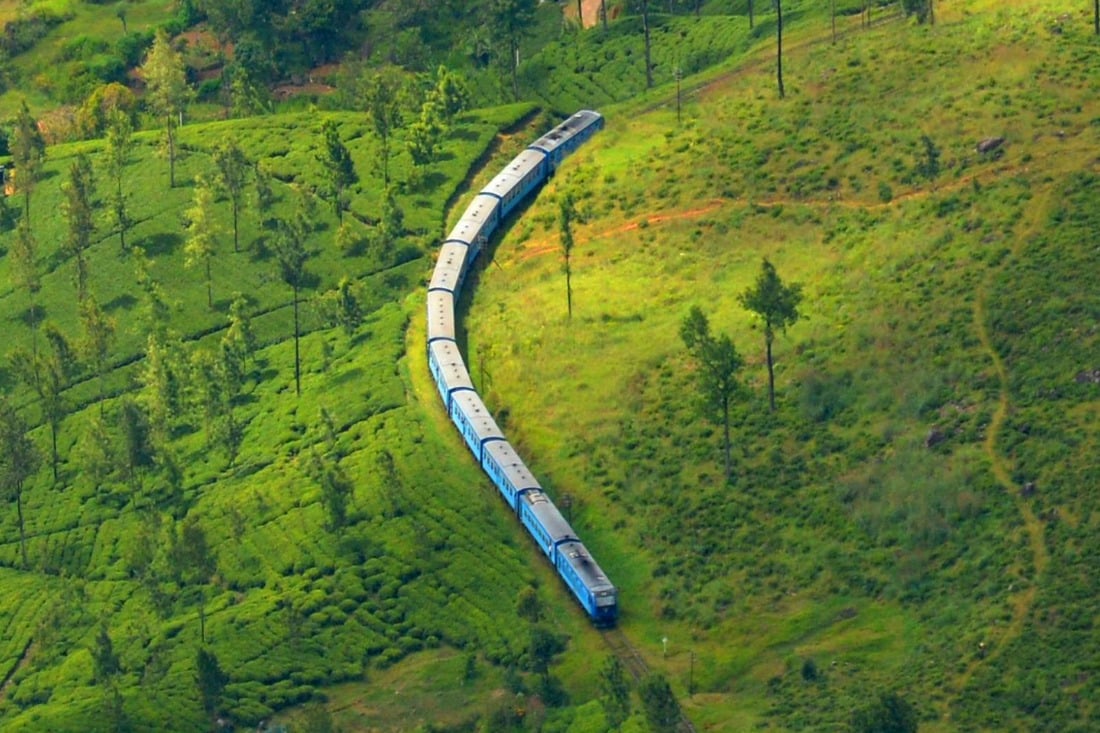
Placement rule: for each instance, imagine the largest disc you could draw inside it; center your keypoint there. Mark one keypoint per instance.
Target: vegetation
(910, 540)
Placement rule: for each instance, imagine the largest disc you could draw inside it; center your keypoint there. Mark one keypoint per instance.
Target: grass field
(916, 516)
(849, 535)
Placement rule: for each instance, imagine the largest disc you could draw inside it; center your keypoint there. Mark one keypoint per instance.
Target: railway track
(634, 664)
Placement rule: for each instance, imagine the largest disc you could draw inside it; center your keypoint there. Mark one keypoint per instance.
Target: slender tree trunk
(771, 376)
(515, 69)
(171, 154)
(931, 14)
(779, 45)
(53, 449)
(645, 31)
(568, 288)
(236, 216)
(202, 616)
(297, 352)
(833, 7)
(27, 203)
(603, 13)
(1096, 16)
(580, 15)
(22, 525)
(209, 287)
(726, 431)
(122, 216)
(752, 23)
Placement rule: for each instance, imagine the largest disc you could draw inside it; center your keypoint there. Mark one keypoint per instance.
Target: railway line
(633, 662)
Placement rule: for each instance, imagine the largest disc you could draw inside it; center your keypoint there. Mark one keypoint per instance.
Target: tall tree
(343, 306)
(339, 167)
(99, 329)
(336, 489)
(211, 681)
(120, 145)
(381, 96)
(779, 46)
(138, 450)
(542, 647)
(18, 461)
(194, 562)
(168, 91)
(24, 273)
(614, 693)
(105, 663)
(28, 155)
(777, 304)
(718, 364)
(233, 167)
(78, 208)
(648, 50)
(48, 374)
(509, 22)
(751, 21)
(566, 212)
(661, 709)
(202, 233)
(238, 344)
(292, 255)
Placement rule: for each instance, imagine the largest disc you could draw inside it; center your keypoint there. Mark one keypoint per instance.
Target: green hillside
(916, 515)
(915, 518)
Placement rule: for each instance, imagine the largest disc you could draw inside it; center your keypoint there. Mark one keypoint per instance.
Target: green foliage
(338, 166)
(167, 92)
(233, 169)
(614, 693)
(776, 303)
(889, 714)
(660, 706)
(18, 461)
(210, 679)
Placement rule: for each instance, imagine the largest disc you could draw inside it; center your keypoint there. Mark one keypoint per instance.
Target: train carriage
(450, 268)
(448, 369)
(476, 225)
(508, 471)
(441, 315)
(588, 582)
(497, 457)
(526, 171)
(474, 421)
(568, 136)
(544, 521)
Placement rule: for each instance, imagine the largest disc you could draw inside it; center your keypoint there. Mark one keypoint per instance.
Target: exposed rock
(990, 144)
(935, 437)
(1088, 376)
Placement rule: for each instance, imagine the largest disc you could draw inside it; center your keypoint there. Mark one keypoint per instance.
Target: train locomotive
(552, 534)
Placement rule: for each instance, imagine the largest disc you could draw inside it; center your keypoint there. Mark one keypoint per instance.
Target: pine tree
(168, 91)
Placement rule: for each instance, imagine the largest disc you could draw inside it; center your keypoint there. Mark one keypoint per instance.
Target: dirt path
(1023, 600)
(548, 243)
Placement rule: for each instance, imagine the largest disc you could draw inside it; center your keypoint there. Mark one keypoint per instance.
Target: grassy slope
(843, 539)
(292, 607)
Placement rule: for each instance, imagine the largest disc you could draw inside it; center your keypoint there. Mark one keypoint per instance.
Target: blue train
(520, 489)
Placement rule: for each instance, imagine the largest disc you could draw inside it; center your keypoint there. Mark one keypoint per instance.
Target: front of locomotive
(607, 606)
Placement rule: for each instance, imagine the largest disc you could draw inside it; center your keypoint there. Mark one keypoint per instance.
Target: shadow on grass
(161, 243)
(125, 301)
